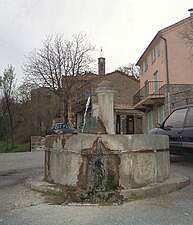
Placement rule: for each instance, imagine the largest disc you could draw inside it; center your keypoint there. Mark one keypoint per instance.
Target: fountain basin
(105, 162)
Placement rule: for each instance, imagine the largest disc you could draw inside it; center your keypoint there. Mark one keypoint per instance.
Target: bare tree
(23, 93)
(8, 87)
(57, 64)
(131, 70)
(187, 36)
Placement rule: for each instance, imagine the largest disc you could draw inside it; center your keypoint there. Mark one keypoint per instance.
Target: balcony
(149, 95)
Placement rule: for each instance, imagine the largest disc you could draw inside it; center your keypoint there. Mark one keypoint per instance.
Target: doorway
(129, 124)
(118, 125)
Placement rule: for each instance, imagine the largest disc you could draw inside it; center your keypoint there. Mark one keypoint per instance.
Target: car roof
(184, 106)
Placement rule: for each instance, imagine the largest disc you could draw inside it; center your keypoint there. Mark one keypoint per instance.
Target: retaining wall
(37, 143)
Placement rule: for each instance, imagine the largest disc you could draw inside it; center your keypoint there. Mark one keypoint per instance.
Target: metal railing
(149, 89)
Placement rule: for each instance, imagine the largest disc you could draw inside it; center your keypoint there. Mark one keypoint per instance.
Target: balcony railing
(151, 88)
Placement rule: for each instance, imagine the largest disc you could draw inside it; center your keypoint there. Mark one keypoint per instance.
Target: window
(176, 119)
(158, 49)
(146, 88)
(156, 86)
(145, 65)
(150, 120)
(153, 55)
(160, 114)
(189, 118)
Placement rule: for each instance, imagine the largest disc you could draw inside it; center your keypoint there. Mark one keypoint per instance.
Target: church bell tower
(101, 64)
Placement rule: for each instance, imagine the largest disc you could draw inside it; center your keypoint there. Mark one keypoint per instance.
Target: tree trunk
(65, 111)
(10, 120)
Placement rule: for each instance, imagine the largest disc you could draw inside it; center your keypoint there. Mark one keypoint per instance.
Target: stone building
(166, 79)
(126, 119)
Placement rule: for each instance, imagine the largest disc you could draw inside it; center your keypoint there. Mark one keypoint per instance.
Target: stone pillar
(105, 93)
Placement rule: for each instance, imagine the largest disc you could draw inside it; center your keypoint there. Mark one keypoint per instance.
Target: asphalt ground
(20, 205)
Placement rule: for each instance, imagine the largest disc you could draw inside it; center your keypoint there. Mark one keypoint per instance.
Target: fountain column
(105, 93)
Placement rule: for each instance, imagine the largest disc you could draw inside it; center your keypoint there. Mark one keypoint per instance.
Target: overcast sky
(123, 28)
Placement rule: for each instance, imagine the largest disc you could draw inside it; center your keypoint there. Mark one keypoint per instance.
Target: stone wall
(181, 94)
(37, 143)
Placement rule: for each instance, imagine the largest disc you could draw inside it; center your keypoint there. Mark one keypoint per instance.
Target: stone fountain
(106, 162)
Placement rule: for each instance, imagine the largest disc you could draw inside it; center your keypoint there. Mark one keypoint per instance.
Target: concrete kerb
(175, 183)
(37, 184)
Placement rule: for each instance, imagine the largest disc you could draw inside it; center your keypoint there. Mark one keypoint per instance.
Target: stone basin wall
(106, 162)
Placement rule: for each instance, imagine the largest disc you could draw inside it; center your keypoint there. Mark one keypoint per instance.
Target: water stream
(86, 109)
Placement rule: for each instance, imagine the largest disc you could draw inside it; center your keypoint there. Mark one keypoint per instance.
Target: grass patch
(56, 193)
(55, 197)
(4, 147)
(60, 195)
(134, 197)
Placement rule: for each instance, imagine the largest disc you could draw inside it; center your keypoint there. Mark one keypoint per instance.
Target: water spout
(86, 109)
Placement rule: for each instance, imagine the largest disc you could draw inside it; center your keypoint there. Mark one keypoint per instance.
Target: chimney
(191, 11)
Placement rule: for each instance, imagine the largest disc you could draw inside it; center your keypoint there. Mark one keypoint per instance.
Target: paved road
(15, 168)
(22, 206)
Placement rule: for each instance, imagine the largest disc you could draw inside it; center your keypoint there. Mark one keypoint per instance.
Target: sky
(123, 28)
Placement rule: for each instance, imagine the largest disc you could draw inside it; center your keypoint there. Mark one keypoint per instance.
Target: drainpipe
(167, 76)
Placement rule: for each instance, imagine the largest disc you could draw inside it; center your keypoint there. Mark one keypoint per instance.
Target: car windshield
(176, 119)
